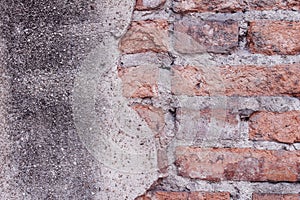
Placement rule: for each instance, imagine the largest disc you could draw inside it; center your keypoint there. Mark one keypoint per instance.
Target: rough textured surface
(140, 81)
(163, 195)
(152, 115)
(6, 172)
(111, 130)
(274, 37)
(188, 80)
(149, 4)
(233, 5)
(238, 164)
(47, 158)
(44, 155)
(194, 36)
(238, 80)
(281, 127)
(146, 36)
(257, 80)
(211, 82)
(194, 125)
(208, 6)
(71, 127)
(276, 196)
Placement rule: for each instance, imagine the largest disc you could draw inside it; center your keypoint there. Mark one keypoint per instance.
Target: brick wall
(219, 84)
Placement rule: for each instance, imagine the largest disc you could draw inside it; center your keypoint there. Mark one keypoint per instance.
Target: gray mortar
(238, 190)
(241, 56)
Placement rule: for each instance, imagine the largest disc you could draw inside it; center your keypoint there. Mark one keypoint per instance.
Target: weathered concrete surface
(47, 159)
(66, 130)
(42, 155)
(112, 131)
(6, 170)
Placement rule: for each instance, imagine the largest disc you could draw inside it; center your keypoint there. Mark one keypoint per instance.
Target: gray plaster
(66, 130)
(112, 131)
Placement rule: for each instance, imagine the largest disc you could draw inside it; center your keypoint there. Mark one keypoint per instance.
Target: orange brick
(188, 81)
(274, 37)
(165, 195)
(144, 36)
(238, 80)
(139, 82)
(238, 164)
(281, 127)
(258, 80)
(275, 197)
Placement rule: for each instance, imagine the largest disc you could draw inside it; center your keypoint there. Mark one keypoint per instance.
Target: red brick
(153, 116)
(165, 195)
(238, 164)
(170, 195)
(139, 82)
(258, 80)
(233, 5)
(143, 36)
(237, 80)
(149, 4)
(274, 37)
(281, 127)
(188, 80)
(195, 36)
(275, 197)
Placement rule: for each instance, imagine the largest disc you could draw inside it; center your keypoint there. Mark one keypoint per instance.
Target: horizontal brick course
(196, 36)
(233, 5)
(237, 80)
(275, 197)
(258, 80)
(143, 36)
(165, 195)
(188, 80)
(281, 127)
(238, 164)
(274, 37)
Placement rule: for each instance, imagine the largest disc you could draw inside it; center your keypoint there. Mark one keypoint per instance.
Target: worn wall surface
(45, 48)
(218, 82)
(150, 99)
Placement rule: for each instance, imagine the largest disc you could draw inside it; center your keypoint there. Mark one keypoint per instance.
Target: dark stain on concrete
(42, 61)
